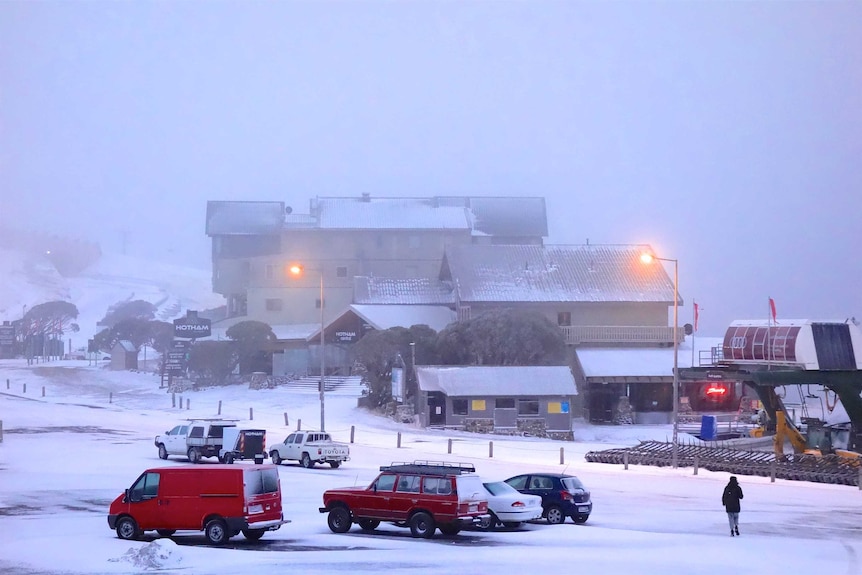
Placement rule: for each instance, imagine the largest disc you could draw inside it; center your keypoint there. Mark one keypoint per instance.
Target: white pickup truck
(310, 447)
(195, 439)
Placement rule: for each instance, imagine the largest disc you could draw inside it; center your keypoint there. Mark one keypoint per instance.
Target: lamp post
(298, 270)
(648, 258)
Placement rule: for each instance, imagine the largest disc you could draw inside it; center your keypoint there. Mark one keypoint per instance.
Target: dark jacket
(731, 496)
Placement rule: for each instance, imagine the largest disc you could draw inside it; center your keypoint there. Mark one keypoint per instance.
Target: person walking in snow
(730, 499)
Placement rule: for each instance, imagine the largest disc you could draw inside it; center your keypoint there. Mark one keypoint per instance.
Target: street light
(648, 258)
(298, 270)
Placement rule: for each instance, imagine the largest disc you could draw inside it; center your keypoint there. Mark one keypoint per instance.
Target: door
(175, 440)
(436, 408)
(145, 504)
(376, 500)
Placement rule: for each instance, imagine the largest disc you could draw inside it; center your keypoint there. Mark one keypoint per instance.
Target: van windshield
(261, 481)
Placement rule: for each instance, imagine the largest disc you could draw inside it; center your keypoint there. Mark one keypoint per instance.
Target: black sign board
(192, 326)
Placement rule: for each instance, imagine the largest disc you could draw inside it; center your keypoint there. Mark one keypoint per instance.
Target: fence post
(772, 473)
(286, 422)
(352, 431)
(43, 391)
(562, 455)
(7, 383)
(626, 460)
(188, 403)
(298, 424)
(490, 449)
(449, 449)
(399, 440)
(25, 388)
(695, 465)
(173, 399)
(1, 441)
(219, 407)
(111, 397)
(251, 414)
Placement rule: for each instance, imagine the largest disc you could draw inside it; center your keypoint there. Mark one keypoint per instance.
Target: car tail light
(566, 496)
(518, 504)
(319, 451)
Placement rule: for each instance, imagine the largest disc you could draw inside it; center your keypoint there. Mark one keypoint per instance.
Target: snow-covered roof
(125, 345)
(375, 290)
(474, 381)
(299, 331)
(385, 316)
(531, 273)
(643, 362)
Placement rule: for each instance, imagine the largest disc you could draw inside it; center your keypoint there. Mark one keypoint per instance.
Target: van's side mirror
(126, 496)
(374, 485)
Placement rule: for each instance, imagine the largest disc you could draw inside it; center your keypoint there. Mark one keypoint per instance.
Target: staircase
(348, 385)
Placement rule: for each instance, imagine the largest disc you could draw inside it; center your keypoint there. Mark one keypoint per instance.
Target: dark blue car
(562, 495)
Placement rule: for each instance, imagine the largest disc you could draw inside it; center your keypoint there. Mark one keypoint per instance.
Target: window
(341, 271)
(505, 403)
(478, 405)
(459, 406)
(437, 485)
(528, 407)
(408, 484)
(260, 481)
(197, 432)
(273, 304)
(146, 487)
(385, 483)
(564, 318)
(518, 482)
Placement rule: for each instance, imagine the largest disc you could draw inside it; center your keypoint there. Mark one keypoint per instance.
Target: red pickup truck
(422, 495)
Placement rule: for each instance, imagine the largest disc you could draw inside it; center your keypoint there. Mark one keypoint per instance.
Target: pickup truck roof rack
(430, 467)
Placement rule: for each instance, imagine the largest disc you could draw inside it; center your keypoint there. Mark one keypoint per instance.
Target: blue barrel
(708, 427)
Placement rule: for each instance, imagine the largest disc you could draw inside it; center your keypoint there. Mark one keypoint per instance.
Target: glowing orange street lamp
(298, 270)
(648, 258)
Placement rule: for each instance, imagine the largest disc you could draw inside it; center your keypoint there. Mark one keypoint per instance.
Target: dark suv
(562, 495)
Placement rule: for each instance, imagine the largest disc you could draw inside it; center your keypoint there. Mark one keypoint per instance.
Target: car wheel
(194, 455)
(339, 520)
(276, 458)
(368, 524)
(306, 461)
(579, 519)
(555, 515)
(166, 532)
(163, 453)
(422, 525)
(449, 529)
(216, 532)
(127, 528)
(253, 534)
(334, 464)
(491, 522)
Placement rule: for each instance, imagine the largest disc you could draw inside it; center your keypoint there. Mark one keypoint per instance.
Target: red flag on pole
(772, 310)
(696, 315)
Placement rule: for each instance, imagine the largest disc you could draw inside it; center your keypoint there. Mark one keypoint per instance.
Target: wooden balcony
(620, 334)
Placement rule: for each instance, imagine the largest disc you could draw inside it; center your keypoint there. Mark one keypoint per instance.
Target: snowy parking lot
(65, 455)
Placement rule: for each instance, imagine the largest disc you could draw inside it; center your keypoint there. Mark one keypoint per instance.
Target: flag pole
(694, 331)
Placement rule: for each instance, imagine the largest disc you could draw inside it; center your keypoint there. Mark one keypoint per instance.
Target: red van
(221, 500)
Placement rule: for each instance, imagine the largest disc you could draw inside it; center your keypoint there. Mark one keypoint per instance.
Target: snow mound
(159, 554)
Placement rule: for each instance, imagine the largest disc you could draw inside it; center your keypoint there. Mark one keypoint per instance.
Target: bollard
(626, 460)
(298, 424)
(1, 438)
(450, 447)
(490, 449)
(695, 465)
(111, 397)
(772, 473)
(251, 414)
(181, 402)
(286, 423)
(399, 440)
(352, 430)
(173, 400)
(7, 383)
(25, 388)
(188, 403)
(43, 391)
(562, 456)
(219, 407)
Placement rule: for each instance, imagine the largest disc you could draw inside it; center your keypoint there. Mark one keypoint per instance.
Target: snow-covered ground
(66, 455)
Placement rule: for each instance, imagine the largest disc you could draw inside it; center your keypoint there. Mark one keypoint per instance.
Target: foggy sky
(726, 134)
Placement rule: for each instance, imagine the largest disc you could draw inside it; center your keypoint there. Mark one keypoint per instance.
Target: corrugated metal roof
(375, 290)
(473, 381)
(244, 218)
(529, 273)
(386, 316)
(642, 362)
